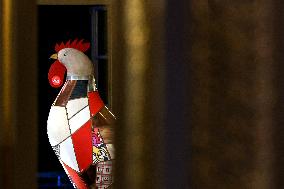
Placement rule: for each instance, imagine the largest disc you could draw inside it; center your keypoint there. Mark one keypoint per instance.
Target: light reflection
(136, 36)
(7, 70)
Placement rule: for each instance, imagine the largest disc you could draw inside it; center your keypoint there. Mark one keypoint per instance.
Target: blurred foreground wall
(197, 87)
(234, 95)
(205, 90)
(152, 82)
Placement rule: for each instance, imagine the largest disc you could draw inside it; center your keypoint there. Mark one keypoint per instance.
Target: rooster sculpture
(78, 125)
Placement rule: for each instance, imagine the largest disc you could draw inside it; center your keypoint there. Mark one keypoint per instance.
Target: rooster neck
(80, 89)
(89, 79)
(75, 88)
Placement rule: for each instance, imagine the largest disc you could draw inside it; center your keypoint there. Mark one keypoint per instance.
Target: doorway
(56, 24)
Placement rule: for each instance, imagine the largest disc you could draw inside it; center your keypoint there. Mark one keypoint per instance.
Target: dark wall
(279, 109)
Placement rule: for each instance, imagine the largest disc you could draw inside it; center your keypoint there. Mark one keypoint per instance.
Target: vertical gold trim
(137, 67)
(6, 70)
(18, 94)
(136, 35)
(7, 139)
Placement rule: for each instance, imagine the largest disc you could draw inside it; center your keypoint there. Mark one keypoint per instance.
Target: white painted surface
(57, 125)
(79, 119)
(75, 105)
(67, 154)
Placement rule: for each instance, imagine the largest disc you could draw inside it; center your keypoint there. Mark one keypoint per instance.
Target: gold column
(151, 97)
(133, 29)
(135, 58)
(18, 95)
(7, 101)
(136, 36)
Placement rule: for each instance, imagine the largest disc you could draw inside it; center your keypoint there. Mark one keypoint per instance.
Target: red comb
(79, 45)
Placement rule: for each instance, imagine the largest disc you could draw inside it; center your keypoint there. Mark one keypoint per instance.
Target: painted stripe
(82, 141)
(75, 177)
(95, 102)
(79, 119)
(67, 154)
(57, 125)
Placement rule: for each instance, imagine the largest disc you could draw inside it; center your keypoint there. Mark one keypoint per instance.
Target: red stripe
(75, 177)
(95, 102)
(82, 142)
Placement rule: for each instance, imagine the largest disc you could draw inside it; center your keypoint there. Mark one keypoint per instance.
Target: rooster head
(69, 57)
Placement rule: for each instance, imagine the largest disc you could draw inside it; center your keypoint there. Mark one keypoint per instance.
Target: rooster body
(76, 125)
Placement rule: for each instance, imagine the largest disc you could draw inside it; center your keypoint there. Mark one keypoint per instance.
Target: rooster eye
(64, 54)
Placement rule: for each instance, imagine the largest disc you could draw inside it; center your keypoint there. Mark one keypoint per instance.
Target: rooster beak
(54, 56)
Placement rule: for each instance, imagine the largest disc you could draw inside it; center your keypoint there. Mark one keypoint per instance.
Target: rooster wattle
(78, 122)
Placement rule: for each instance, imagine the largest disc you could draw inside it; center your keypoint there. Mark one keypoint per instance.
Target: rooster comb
(79, 45)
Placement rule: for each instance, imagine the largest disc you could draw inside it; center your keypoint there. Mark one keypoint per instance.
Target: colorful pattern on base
(100, 152)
